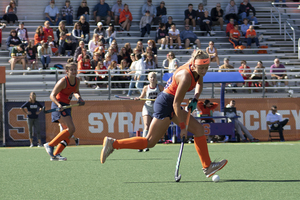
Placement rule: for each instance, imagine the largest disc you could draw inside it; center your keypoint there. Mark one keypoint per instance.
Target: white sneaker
(58, 157)
(107, 148)
(160, 48)
(145, 150)
(214, 167)
(171, 47)
(31, 145)
(166, 47)
(28, 68)
(208, 35)
(39, 145)
(49, 150)
(97, 88)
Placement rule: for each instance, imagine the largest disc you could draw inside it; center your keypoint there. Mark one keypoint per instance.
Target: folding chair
(273, 135)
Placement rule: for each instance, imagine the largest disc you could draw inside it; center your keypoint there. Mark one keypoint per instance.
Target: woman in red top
(101, 75)
(61, 95)
(167, 108)
(245, 71)
(125, 19)
(39, 36)
(207, 108)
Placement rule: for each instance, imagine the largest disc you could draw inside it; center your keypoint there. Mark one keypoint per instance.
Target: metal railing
(287, 33)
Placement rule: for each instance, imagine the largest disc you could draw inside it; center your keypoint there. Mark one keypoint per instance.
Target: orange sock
(61, 146)
(61, 136)
(131, 143)
(202, 150)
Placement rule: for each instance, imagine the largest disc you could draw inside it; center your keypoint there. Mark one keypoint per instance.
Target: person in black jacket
(206, 24)
(161, 14)
(83, 10)
(12, 40)
(244, 11)
(85, 26)
(190, 16)
(216, 15)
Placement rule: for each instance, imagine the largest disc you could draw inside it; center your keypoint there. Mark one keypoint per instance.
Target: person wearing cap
(52, 13)
(125, 19)
(100, 31)
(67, 13)
(145, 24)
(102, 12)
(22, 33)
(12, 40)
(116, 11)
(149, 7)
(18, 56)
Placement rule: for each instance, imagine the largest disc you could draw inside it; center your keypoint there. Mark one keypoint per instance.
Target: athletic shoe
(58, 157)
(107, 148)
(145, 150)
(31, 145)
(39, 145)
(49, 150)
(140, 150)
(254, 140)
(160, 48)
(226, 138)
(166, 47)
(77, 141)
(214, 167)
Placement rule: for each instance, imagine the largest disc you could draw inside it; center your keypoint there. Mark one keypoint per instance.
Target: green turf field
(254, 171)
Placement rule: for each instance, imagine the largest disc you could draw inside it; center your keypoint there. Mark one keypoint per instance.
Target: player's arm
(59, 86)
(198, 88)
(143, 94)
(161, 88)
(77, 94)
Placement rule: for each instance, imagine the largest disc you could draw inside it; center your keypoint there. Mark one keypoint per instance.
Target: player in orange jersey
(61, 96)
(167, 108)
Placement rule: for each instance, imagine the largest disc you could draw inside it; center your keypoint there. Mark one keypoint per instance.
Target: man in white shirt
(139, 77)
(174, 35)
(52, 13)
(275, 122)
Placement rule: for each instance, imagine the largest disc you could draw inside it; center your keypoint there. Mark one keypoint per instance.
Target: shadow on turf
(141, 159)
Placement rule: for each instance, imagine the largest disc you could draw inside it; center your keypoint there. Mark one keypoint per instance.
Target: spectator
(115, 47)
(12, 41)
(251, 37)
(161, 14)
(231, 11)
(190, 16)
(244, 11)
(169, 23)
(216, 14)
(83, 10)
(2, 26)
(113, 68)
(161, 36)
(229, 27)
(48, 31)
(116, 11)
(245, 26)
(65, 43)
(52, 13)
(82, 55)
(113, 54)
(258, 74)
(174, 36)
(84, 64)
(139, 48)
(124, 77)
(95, 60)
(173, 62)
(18, 55)
(199, 14)
(44, 53)
(207, 108)
(123, 55)
(235, 35)
(67, 13)
(31, 55)
(282, 5)
(93, 44)
(213, 53)
(145, 23)
(245, 72)
(102, 12)
(52, 45)
(165, 63)
(132, 65)
(128, 48)
(149, 7)
(33, 109)
(110, 33)
(11, 13)
(22, 33)
(139, 75)
(61, 28)
(100, 75)
(100, 31)
(188, 36)
(275, 122)
(77, 32)
(228, 68)
(125, 19)
(78, 50)
(239, 126)
(206, 24)
(278, 71)
(149, 62)
(85, 26)
(39, 36)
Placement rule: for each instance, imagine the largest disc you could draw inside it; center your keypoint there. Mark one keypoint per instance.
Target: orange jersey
(65, 95)
(250, 33)
(48, 32)
(171, 85)
(235, 33)
(83, 65)
(207, 110)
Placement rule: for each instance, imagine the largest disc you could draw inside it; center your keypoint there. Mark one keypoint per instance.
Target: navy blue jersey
(33, 108)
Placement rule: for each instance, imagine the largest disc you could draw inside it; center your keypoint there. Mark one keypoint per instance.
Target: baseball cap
(99, 24)
(226, 59)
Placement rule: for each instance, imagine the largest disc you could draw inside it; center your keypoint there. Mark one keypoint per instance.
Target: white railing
(287, 33)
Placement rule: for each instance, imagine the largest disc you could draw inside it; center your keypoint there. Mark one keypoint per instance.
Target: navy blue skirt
(56, 115)
(163, 106)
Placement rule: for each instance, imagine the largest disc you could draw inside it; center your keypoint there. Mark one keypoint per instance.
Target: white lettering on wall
(297, 118)
(110, 121)
(125, 118)
(248, 123)
(95, 121)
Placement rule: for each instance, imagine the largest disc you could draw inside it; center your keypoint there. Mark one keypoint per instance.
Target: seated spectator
(125, 19)
(161, 14)
(83, 10)
(96, 58)
(174, 35)
(78, 50)
(275, 122)
(235, 35)
(18, 54)
(226, 67)
(65, 43)
(169, 23)
(113, 54)
(239, 127)
(22, 33)
(31, 52)
(173, 62)
(52, 13)
(48, 31)
(152, 45)
(123, 55)
(245, 26)
(213, 53)
(39, 36)
(83, 53)
(165, 63)
(110, 34)
(100, 75)
(278, 71)
(245, 72)
(52, 45)
(61, 28)
(116, 11)
(139, 75)
(44, 53)
(2, 26)
(113, 68)
(229, 27)
(67, 13)
(84, 64)
(161, 36)
(149, 7)
(139, 48)
(206, 23)
(149, 62)
(114, 46)
(258, 75)
(244, 11)
(145, 23)
(124, 67)
(107, 60)
(152, 52)
(102, 12)
(11, 13)
(190, 16)
(85, 26)
(100, 31)
(188, 36)
(251, 37)
(12, 40)
(216, 15)
(199, 14)
(77, 33)
(231, 11)
(206, 109)
(93, 44)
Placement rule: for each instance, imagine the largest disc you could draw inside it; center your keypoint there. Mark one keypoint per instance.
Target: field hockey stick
(57, 109)
(177, 175)
(131, 98)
